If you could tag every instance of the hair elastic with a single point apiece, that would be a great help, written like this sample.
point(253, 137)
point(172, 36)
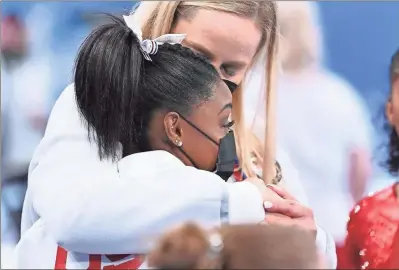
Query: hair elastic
point(150, 47)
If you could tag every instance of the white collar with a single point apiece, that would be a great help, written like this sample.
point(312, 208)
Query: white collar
point(143, 164)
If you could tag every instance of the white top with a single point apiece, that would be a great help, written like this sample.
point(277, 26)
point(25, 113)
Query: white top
point(71, 192)
point(320, 119)
point(154, 192)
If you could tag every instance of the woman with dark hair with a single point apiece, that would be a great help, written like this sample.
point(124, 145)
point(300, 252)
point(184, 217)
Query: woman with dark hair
point(371, 242)
point(170, 112)
point(246, 34)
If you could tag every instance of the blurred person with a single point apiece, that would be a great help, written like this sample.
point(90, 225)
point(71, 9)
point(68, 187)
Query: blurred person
point(27, 56)
point(22, 116)
point(164, 94)
point(236, 247)
point(9, 232)
point(13, 49)
point(371, 242)
point(322, 122)
point(26, 109)
point(13, 39)
point(231, 56)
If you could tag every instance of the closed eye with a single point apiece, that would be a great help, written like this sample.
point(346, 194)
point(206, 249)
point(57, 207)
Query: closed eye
point(229, 71)
point(229, 124)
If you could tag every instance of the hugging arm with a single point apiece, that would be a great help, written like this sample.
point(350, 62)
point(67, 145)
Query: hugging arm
point(88, 208)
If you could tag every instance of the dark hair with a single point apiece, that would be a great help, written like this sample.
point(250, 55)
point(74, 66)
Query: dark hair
point(392, 162)
point(117, 90)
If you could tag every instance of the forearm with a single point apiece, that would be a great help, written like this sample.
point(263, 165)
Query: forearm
point(245, 203)
point(88, 208)
point(98, 213)
point(359, 172)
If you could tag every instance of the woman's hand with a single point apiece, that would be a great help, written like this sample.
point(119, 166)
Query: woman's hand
point(283, 208)
point(268, 194)
point(269, 198)
point(297, 213)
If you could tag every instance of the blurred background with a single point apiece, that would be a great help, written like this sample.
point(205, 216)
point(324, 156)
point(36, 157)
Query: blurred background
point(39, 41)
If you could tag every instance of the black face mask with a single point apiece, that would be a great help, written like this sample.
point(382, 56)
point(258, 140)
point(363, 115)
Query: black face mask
point(227, 154)
point(232, 86)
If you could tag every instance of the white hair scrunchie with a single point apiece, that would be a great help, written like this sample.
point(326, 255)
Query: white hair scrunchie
point(150, 47)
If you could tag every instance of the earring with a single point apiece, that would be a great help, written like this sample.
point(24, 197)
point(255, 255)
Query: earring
point(179, 143)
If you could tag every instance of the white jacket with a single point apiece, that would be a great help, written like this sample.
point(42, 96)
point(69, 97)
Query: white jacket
point(86, 206)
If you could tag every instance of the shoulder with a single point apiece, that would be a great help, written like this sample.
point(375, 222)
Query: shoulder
point(64, 124)
point(65, 105)
point(65, 118)
point(364, 210)
point(67, 99)
point(372, 216)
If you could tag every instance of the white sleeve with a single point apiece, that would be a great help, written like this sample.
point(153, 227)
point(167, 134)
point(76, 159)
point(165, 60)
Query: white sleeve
point(88, 208)
point(326, 246)
point(245, 203)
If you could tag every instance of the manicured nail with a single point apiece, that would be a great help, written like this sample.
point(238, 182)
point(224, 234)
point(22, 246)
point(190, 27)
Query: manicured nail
point(267, 205)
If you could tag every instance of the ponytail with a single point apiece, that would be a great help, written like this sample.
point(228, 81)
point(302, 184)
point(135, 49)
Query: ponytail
point(107, 76)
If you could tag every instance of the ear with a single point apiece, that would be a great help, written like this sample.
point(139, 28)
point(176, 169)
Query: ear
point(389, 111)
point(173, 128)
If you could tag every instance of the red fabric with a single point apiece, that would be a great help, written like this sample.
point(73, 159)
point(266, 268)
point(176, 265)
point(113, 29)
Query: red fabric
point(238, 174)
point(394, 259)
point(61, 259)
point(96, 264)
point(372, 226)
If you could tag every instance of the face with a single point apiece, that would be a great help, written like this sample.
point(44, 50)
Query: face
point(392, 107)
point(228, 41)
point(184, 134)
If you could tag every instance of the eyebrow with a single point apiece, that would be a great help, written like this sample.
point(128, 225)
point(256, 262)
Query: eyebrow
point(225, 107)
point(200, 48)
point(210, 55)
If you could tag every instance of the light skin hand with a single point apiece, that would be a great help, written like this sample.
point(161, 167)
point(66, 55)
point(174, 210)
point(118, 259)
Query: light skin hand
point(282, 208)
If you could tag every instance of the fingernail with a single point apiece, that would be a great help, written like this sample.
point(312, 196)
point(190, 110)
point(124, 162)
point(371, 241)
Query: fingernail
point(270, 185)
point(267, 205)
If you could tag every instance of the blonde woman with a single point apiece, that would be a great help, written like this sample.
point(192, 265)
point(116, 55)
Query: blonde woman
point(68, 180)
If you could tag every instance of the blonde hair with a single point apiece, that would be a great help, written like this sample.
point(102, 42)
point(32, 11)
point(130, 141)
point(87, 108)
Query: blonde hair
point(236, 247)
point(159, 17)
point(300, 26)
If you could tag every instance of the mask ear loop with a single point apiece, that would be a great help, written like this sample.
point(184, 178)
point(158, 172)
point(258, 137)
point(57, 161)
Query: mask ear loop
point(179, 145)
point(199, 130)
